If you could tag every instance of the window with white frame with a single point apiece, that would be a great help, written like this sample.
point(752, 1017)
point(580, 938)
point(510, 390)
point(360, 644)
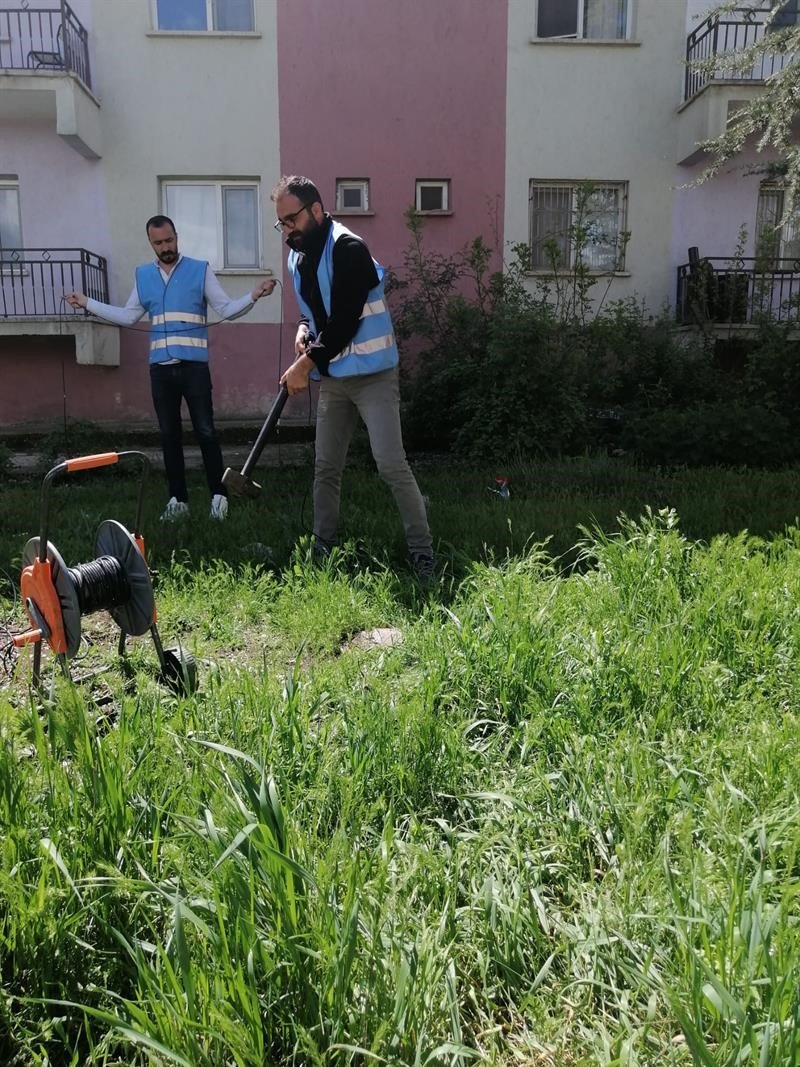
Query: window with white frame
point(572, 221)
point(217, 221)
point(606, 20)
point(776, 237)
point(205, 15)
point(352, 194)
point(432, 196)
point(10, 219)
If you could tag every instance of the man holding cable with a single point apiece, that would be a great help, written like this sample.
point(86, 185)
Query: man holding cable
point(345, 337)
point(176, 291)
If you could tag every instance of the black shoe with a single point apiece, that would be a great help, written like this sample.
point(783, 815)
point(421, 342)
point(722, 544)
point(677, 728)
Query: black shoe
point(321, 550)
point(423, 569)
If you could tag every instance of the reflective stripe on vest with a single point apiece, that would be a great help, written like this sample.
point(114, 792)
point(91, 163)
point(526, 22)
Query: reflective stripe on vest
point(173, 339)
point(373, 347)
point(177, 310)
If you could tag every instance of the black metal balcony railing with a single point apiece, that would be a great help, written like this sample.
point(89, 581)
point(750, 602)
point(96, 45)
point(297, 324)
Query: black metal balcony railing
point(719, 36)
point(739, 291)
point(33, 280)
point(44, 39)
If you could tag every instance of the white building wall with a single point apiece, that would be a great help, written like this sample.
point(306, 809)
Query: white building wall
point(696, 12)
point(184, 105)
point(714, 214)
point(61, 194)
point(601, 111)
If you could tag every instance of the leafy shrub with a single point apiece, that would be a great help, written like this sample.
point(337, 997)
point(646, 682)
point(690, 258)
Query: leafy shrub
point(492, 368)
point(5, 462)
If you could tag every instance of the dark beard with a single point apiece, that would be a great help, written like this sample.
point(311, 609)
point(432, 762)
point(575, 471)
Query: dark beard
point(305, 241)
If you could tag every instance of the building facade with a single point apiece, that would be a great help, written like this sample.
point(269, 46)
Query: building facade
point(484, 118)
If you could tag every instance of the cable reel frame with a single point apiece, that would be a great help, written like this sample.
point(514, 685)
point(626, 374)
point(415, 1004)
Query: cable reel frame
point(118, 580)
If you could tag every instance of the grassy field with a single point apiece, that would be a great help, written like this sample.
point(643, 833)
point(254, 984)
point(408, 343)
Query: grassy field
point(555, 822)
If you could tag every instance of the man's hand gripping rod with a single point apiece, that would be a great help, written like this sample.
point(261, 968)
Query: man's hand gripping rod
point(239, 483)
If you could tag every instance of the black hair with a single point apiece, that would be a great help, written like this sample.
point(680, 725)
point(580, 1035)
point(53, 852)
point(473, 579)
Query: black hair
point(296, 185)
point(158, 221)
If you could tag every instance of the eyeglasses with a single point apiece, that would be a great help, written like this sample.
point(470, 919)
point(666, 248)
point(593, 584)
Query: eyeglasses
point(282, 224)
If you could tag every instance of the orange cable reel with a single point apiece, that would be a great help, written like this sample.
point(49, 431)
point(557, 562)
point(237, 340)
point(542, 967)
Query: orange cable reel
point(42, 602)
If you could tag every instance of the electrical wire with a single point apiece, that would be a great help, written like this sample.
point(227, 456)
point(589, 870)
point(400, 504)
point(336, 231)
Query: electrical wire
point(9, 653)
point(100, 583)
point(65, 317)
point(174, 330)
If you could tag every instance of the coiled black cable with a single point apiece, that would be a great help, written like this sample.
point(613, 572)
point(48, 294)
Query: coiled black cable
point(100, 584)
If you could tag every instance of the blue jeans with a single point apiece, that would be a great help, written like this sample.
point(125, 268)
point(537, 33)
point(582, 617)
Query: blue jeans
point(170, 385)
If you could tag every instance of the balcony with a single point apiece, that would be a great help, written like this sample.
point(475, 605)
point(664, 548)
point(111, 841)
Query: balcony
point(721, 75)
point(45, 73)
point(32, 285)
point(719, 292)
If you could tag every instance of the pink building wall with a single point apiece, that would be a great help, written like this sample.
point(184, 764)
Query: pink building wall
point(410, 90)
point(63, 205)
point(244, 370)
point(42, 381)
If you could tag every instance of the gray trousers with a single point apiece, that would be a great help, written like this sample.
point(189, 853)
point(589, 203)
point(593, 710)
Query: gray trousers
point(376, 398)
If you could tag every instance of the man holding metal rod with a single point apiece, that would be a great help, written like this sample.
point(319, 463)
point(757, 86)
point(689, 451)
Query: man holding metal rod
point(345, 338)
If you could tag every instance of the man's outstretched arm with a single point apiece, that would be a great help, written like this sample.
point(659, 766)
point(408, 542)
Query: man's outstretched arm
point(228, 308)
point(120, 316)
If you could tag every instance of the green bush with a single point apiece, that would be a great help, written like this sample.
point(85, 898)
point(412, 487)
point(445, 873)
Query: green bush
point(78, 437)
point(5, 462)
point(517, 387)
point(494, 369)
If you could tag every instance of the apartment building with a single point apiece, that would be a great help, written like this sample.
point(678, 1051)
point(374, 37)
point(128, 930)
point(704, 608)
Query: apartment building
point(485, 118)
point(592, 97)
point(112, 111)
point(733, 219)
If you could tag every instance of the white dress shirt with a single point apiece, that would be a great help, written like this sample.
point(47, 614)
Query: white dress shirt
point(215, 296)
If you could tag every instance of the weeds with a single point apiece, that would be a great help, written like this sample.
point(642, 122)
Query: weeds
point(557, 823)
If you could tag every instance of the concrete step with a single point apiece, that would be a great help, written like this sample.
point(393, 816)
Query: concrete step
point(296, 454)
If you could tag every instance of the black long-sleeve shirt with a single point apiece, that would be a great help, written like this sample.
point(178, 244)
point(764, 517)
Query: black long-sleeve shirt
point(354, 275)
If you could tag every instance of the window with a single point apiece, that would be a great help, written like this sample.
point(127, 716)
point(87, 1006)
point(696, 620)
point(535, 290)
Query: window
point(205, 15)
point(787, 15)
point(578, 219)
point(10, 222)
point(352, 194)
point(217, 221)
point(432, 196)
point(773, 240)
point(605, 20)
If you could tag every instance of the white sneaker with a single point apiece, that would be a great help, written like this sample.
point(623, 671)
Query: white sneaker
point(175, 510)
point(219, 507)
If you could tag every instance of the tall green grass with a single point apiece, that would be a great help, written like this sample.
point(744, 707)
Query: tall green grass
point(558, 824)
point(550, 502)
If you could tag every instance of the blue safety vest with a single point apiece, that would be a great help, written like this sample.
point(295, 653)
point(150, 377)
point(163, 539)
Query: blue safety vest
point(373, 347)
point(178, 310)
